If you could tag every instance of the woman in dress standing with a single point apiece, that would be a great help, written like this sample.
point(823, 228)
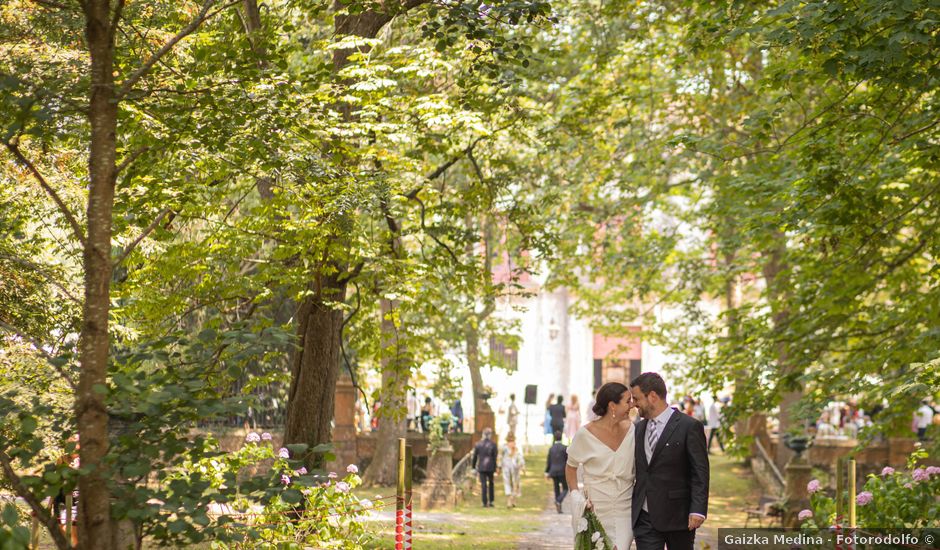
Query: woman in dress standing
point(604, 450)
point(512, 463)
point(573, 419)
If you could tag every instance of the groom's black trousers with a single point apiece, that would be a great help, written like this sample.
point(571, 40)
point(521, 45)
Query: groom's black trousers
point(648, 538)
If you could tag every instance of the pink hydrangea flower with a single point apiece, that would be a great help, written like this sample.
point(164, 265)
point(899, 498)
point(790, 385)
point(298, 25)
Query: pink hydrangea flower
point(343, 487)
point(887, 470)
point(864, 498)
point(252, 437)
point(933, 470)
point(265, 436)
point(285, 479)
point(302, 471)
point(332, 475)
point(805, 515)
point(352, 469)
point(813, 486)
point(283, 452)
point(920, 474)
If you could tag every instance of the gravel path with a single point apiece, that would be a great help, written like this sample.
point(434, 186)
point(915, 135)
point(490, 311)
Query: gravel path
point(553, 531)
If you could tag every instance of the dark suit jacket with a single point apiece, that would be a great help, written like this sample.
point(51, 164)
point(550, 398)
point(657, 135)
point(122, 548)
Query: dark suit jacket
point(557, 412)
point(557, 459)
point(484, 456)
point(675, 481)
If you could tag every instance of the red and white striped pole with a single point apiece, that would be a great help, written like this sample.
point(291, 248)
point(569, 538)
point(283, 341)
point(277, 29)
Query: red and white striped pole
point(403, 509)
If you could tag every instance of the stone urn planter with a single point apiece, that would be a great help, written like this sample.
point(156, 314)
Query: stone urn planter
point(438, 490)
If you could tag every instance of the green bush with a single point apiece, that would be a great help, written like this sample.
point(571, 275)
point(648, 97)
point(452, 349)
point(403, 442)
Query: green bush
point(892, 499)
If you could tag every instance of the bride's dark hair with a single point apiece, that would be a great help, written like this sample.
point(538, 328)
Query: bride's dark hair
point(610, 392)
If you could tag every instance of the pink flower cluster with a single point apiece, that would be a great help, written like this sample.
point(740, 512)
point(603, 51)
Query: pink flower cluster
point(864, 498)
point(887, 470)
point(920, 474)
point(813, 486)
point(804, 515)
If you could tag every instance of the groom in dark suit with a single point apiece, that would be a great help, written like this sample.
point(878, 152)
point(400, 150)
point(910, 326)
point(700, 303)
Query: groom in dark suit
point(670, 498)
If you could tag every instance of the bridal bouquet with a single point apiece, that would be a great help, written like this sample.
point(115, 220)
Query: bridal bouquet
point(590, 533)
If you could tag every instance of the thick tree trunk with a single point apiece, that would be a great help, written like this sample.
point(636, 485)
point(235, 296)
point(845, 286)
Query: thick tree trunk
point(774, 275)
point(94, 506)
point(472, 340)
point(392, 415)
point(315, 369)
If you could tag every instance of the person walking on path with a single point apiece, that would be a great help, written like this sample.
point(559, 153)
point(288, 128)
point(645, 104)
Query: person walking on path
point(512, 464)
point(484, 462)
point(555, 469)
point(512, 415)
point(557, 414)
point(714, 425)
point(573, 417)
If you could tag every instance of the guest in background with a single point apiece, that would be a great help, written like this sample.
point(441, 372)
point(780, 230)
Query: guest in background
point(457, 410)
point(557, 414)
point(573, 418)
point(484, 462)
point(548, 416)
point(698, 410)
point(512, 464)
point(414, 414)
point(555, 469)
point(426, 414)
point(714, 425)
point(512, 414)
point(922, 419)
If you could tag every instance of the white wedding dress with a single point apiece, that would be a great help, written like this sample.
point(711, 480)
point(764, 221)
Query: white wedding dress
point(608, 478)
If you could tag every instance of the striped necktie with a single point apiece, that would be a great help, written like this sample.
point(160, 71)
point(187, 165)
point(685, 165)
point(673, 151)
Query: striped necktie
point(652, 434)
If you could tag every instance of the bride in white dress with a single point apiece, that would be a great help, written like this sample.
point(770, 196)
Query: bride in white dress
point(604, 449)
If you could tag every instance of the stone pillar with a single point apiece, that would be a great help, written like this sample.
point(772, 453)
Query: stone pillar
point(344, 424)
point(899, 449)
point(798, 473)
point(483, 418)
point(438, 490)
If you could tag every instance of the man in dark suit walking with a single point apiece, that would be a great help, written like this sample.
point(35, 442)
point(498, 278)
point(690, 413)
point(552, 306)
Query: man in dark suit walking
point(484, 462)
point(670, 498)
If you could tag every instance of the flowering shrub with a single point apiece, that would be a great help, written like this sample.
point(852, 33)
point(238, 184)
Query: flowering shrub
point(891, 499)
point(298, 509)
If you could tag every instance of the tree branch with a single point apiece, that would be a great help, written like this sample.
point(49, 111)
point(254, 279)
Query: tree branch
point(76, 228)
point(41, 271)
point(130, 159)
point(51, 523)
point(141, 71)
point(38, 345)
point(143, 235)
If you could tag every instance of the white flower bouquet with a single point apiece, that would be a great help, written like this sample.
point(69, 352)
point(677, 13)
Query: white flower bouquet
point(590, 533)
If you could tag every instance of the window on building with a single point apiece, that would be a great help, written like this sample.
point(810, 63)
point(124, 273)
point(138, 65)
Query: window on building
point(504, 355)
point(636, 367)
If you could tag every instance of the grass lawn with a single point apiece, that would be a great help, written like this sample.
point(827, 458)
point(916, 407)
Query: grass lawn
point(470, 525)
point(733, 489)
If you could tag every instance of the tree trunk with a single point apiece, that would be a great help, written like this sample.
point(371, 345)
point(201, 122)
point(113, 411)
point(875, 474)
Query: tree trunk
point(315, 368)
point(94, 506)
point(775, 278)
point(392, 416)
point(472, 337)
